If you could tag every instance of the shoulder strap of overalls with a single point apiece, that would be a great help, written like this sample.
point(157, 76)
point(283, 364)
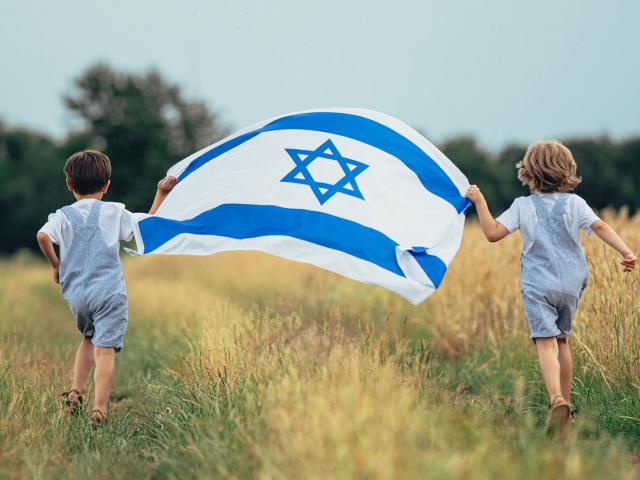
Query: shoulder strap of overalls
point(559, 205)
point(548, 218)
point(538, 205)
point(94, 213)
point(73, 216)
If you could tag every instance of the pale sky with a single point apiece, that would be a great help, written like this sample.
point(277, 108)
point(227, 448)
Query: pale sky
point(502, 70)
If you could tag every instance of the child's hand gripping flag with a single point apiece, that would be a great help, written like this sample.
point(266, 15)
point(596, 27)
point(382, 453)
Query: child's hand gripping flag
point(353, 191)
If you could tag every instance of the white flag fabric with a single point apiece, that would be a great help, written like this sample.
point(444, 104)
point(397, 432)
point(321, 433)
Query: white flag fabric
point(353, 191)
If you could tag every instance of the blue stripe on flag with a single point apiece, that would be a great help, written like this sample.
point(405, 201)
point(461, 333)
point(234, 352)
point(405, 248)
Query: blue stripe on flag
point(363, 130)
point(250, 221)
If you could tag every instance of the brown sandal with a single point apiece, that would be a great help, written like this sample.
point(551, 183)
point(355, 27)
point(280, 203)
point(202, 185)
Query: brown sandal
point(558, 417)
point(75, 405)
point(98, 417)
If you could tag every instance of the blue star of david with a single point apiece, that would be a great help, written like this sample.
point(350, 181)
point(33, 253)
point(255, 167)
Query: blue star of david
point(324, 191)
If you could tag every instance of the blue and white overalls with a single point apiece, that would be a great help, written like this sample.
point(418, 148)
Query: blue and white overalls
point(554, 272)
point(92, 281)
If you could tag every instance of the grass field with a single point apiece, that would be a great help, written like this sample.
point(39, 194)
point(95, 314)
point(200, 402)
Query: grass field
point(247, 366)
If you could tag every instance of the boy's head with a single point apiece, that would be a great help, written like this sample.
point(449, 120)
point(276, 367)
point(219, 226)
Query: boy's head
point(88, 171)
point(548, 167)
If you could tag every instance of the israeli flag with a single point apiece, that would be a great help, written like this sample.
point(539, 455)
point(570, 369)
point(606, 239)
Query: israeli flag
point(353, 191)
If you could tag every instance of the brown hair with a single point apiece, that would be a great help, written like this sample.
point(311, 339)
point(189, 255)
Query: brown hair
point(548, 167)
point(88, 171)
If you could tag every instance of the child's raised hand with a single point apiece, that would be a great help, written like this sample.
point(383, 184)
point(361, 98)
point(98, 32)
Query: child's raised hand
point(166, 184)
point(164, 187)
point(628, 262)
point(474, 194)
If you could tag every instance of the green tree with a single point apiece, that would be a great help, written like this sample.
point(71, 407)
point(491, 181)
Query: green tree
point(142, 122)
point(628, 161)
point(507, 176)
point(598, 165)
point(479, 167)
point(30, 185)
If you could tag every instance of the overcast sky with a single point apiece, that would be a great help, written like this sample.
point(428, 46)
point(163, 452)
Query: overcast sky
point(502, 70)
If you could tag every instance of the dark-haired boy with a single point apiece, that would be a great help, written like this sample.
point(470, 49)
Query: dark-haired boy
point(89, 270)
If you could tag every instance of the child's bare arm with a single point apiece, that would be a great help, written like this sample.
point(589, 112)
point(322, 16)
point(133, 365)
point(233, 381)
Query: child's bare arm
point(164, 187)
point(491, 229)
point(46, 245)
point(611, 238)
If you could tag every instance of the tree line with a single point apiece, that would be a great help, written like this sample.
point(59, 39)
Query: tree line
point(145, 124)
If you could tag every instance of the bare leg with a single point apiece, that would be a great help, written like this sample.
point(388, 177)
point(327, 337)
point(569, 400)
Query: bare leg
point(103, 376)
point(566, 369)
point(549, 365)
point(83, 363)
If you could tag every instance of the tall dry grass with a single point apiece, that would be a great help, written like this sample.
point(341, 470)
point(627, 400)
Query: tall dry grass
point(480, 302)
point(242, 365)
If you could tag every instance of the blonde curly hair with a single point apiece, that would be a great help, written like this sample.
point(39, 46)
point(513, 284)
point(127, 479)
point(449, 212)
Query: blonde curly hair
point(548, 167)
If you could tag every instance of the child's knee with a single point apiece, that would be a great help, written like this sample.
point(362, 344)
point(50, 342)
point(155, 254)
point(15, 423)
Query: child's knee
point(104, 351)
